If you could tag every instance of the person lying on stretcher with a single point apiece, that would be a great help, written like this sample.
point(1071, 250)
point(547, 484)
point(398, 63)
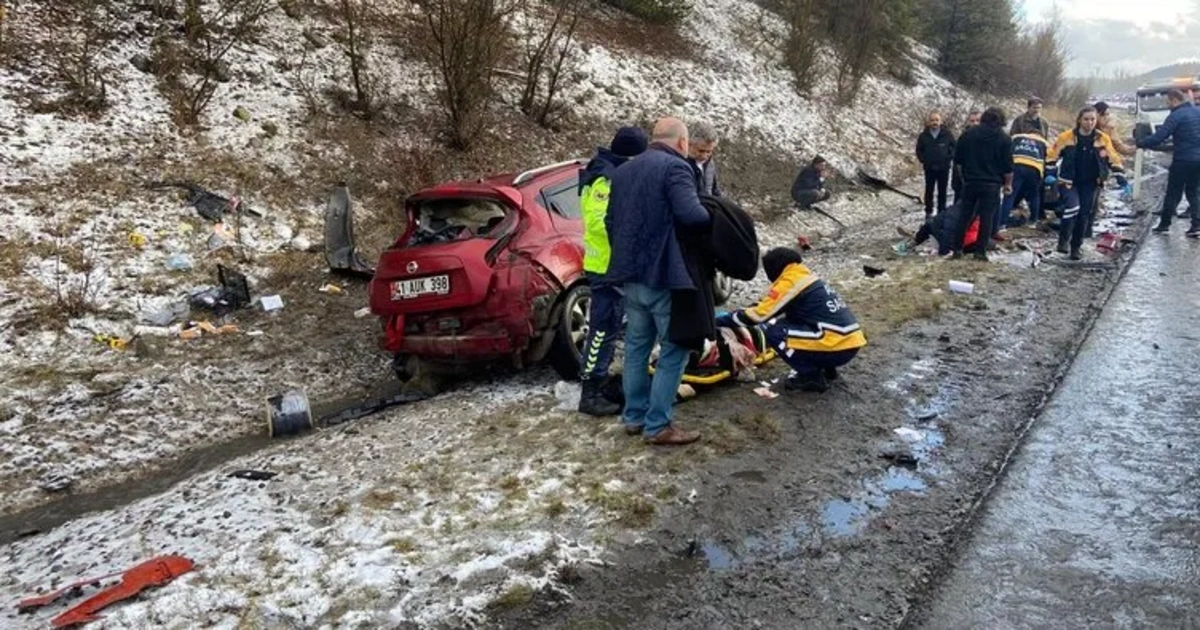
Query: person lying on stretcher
point(803, 320)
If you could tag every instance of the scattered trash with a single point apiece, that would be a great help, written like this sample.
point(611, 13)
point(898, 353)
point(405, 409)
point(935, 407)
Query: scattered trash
point(691, 498)
point(209, 205)
point(901, 458)
point(958, 286)
point(567, 394)
point(927, 416)
point(685, 392)
point(331, 288)
point(112, 341)
point(362, 312)
point(912, 435)
point(803, 243)
point(179, 262)
point(137, 240)
point(252, 475)
point(766, 392)
point(271, 303)
point(873, 272)
point(233, 294)
point(156, 331)
point(55, 482)
point(289, 413)
point(1109, 243)
point(254, 333)
point(900, 249)
point(154, 572)
point(177, 311)
point(185, 228)
point(216, 241)
point(195, 330)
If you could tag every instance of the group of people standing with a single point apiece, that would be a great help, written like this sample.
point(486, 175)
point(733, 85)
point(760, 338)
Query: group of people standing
point(656, 227)
point(999, 169)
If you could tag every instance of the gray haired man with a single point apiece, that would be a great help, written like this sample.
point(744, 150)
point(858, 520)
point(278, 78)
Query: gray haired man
point(703, 139)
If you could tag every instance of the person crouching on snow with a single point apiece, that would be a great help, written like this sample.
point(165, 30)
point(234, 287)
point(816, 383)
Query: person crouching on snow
point(805, 321)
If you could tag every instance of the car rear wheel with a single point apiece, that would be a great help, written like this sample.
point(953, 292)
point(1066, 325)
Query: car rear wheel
point(570, 332)
point(722, 288)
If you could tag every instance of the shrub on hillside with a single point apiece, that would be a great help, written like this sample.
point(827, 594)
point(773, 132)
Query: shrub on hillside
point(654, 11)
point(545, 55)
point(464, 42)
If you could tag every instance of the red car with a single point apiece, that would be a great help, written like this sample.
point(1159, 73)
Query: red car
point(488, 270)
point(485, 270)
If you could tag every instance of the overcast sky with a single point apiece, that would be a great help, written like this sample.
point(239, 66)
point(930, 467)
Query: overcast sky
point(1137, 35)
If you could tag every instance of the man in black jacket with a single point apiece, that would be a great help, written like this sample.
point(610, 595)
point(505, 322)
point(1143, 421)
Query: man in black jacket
point(984, 153)
point(809, 187)
point(935, 151)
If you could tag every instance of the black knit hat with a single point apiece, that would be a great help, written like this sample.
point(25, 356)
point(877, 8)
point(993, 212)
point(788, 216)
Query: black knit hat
point(776, 260)
point(629, 141)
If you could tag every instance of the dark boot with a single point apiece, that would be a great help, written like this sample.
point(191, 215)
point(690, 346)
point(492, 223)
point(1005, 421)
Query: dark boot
point(814, 382)
point(831, 374)
point(1064, 235)
point(1075, 255)
point(592, 400)
point(1164, 226)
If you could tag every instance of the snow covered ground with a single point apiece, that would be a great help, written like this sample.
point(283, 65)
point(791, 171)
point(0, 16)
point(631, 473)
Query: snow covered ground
point(348, 532)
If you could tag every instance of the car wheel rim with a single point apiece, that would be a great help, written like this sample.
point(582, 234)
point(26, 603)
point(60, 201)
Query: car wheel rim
point(581, 310)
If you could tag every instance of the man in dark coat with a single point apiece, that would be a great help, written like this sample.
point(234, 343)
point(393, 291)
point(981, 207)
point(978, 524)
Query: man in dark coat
point(809, 187)
point(984, 153)
point(1183, 178)
point(935, 152)
point(702, 146)
point(651, 196)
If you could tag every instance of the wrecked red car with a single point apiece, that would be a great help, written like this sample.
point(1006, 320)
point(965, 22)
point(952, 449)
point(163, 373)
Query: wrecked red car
point(485, 271)
point(488, 270)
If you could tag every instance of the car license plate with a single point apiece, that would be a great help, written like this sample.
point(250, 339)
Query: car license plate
point(416, 287)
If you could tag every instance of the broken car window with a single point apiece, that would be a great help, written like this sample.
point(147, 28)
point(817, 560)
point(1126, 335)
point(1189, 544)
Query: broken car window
point(445, 220)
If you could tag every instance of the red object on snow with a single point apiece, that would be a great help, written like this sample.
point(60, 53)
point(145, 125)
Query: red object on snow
point(802, 242)
point(1109, 243)
point(154, 572)
point(972, 233)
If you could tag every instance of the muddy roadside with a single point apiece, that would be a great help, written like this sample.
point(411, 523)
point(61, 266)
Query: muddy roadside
point(845, 516)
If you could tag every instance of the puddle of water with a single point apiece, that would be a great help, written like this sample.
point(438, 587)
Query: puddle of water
point(842, 517)
point(718, 557)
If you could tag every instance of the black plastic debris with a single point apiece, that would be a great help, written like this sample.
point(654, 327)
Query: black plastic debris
point(232, 294)
point(252, 475)
point(872, 272)
point(904, 459)
point(208, 204)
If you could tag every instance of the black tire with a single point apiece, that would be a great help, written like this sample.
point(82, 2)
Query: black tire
point(570, 332)
point(401, 367)
point(722, 288)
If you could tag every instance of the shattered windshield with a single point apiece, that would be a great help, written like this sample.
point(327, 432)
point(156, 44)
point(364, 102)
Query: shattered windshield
point(445, 220)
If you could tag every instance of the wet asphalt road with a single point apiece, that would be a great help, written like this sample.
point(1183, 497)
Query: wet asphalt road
point(1097, 524)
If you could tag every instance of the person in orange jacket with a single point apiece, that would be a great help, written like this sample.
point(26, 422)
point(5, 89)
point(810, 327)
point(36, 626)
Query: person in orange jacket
point(1081, 159)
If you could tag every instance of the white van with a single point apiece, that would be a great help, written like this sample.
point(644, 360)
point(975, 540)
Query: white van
point(1152, 109)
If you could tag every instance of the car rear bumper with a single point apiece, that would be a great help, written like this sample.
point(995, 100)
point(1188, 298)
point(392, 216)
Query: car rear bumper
point(460, 347)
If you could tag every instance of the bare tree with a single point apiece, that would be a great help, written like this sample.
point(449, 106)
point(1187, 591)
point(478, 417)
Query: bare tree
point(546, 54)
point(355, 45)
point(465, 41)
point(211, 34)
point(81, 31)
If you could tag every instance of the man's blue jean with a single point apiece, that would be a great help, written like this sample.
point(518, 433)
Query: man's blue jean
point(649, 402)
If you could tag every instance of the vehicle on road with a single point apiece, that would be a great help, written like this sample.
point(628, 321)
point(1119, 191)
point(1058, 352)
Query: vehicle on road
point(1151, 107)
point(490, 270)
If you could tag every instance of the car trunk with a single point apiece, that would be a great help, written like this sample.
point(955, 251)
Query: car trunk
point(445, 258)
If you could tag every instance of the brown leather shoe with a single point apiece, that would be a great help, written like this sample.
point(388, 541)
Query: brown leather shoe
point(673, 436)
point(633, 429)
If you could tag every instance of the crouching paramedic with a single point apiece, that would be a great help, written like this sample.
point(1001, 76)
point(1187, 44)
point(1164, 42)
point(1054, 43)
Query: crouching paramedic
point(805, 321)
point(604, 319)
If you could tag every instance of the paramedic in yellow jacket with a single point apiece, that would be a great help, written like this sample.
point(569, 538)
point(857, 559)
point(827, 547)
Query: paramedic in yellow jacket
point(1082, 159)
point(805, 321)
